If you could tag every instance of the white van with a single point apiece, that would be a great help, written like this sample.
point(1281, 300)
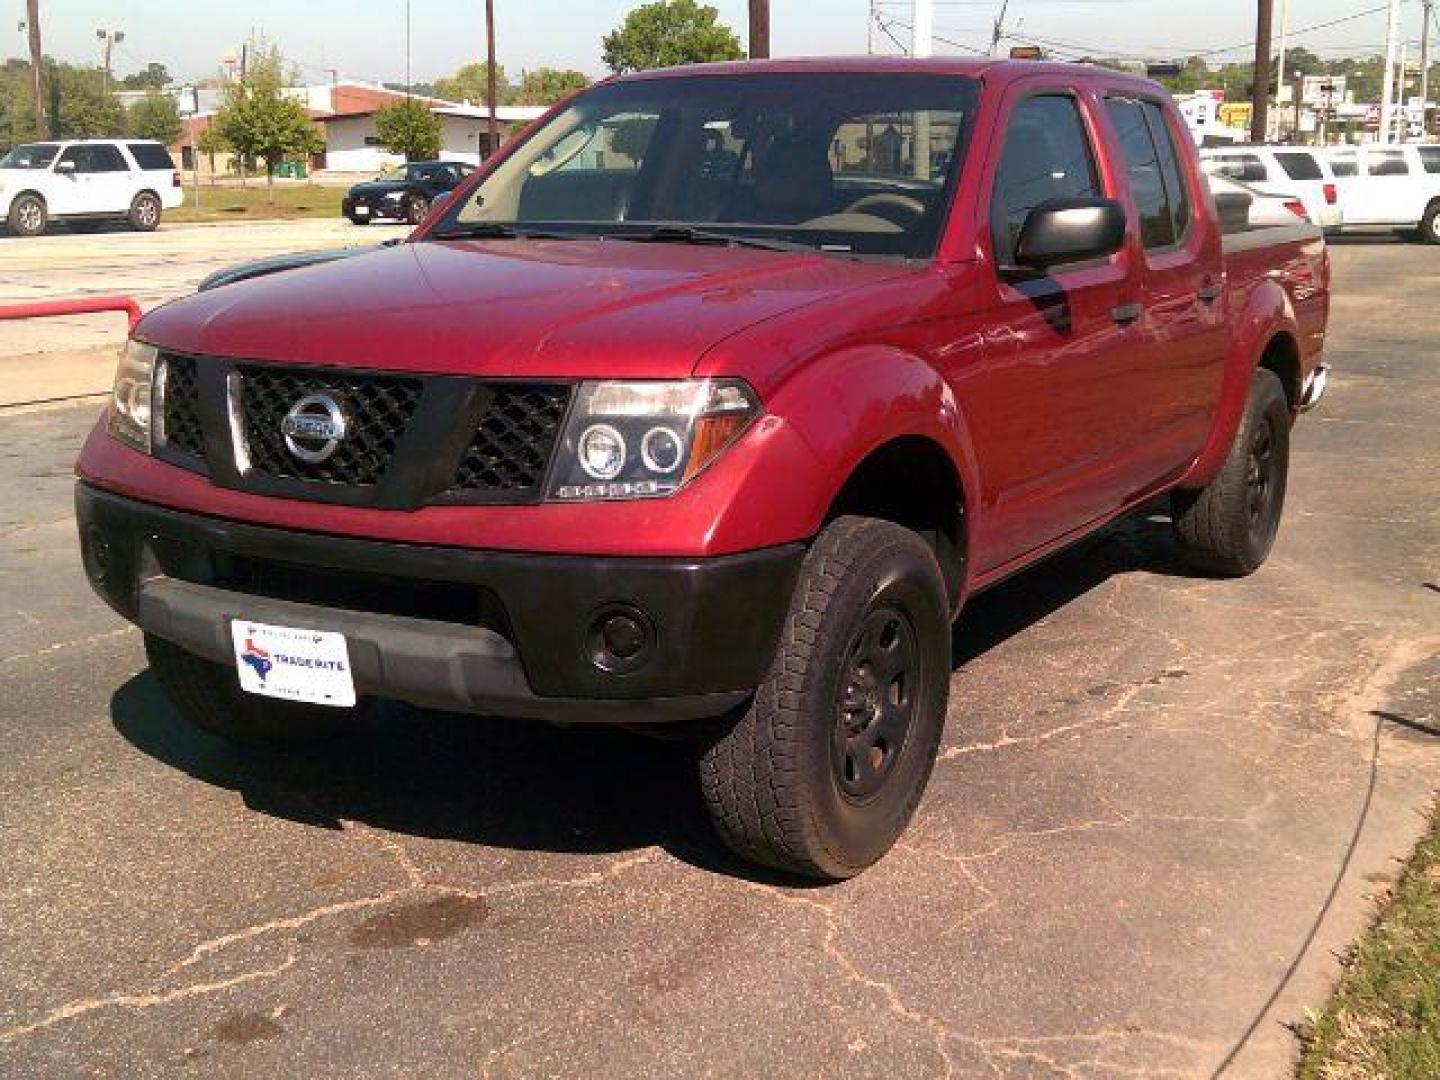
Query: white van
point(87, 180)
point(1389, 188)
point(1297, 171)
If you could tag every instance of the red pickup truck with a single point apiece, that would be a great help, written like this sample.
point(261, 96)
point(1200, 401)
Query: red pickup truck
point(708, 403)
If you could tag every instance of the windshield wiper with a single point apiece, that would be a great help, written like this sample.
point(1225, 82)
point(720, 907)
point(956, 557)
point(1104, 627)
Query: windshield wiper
point(496, 230)
point(684, 234)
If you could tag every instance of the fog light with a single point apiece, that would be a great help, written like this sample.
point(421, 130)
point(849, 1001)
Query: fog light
point(621, 639)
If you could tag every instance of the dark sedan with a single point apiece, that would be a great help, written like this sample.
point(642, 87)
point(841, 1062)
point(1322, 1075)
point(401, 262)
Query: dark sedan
point(404, 198)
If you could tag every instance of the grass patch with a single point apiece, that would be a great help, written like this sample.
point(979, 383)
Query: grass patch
point(1384, 1019)
point(253, 204)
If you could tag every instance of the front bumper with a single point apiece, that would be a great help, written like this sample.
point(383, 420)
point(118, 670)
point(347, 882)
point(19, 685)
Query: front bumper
point(452, 628)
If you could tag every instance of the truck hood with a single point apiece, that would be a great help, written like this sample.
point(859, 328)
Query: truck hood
point(563, 308)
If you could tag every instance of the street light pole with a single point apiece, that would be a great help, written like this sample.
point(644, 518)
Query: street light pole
point(32, 27)
point(109, 38)
point(490, 73)
point(1260, 95)
point(1428, 14)
point(1387, 93)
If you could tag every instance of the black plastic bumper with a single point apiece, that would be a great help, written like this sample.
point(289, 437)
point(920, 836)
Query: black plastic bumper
point(476, 631)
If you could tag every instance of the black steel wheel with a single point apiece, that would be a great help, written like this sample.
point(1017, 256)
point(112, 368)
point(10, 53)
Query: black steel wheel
point(823, 772)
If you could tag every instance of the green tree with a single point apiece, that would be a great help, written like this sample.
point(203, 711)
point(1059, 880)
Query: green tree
point(545, 86)
point(17, 111)
point(260, 121)
point(669, 32)
point(210, 142)
point(154, 77)
point(156, 116)
point(80, 105)
point(409, 127)
point(469, 84)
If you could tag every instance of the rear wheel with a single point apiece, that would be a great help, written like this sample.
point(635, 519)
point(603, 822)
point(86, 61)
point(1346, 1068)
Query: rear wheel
point(1228, 527)
point(28, 216)
point(1430, 225)
point(822, 773)
point(144, 213)
point(208, 695)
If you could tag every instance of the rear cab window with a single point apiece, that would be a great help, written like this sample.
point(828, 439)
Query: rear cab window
point(1157, 183)
point(151, 157)
point(1047, 155)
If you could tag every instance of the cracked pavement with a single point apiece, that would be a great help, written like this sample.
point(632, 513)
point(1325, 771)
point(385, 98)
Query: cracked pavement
point(1157, 795)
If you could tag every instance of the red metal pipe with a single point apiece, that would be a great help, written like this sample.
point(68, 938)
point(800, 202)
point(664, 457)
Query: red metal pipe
point(90, 305)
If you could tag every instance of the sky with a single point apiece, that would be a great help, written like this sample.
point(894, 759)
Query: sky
point(365, 39)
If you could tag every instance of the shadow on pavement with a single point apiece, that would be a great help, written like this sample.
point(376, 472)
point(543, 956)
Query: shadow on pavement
point(527, 786)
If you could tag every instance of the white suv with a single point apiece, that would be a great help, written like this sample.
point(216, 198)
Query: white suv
point(1281, 170)
point(1389, 187)
point(87, 181)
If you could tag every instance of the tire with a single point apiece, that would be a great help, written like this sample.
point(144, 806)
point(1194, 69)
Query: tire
point(1430, 225)
point(208, 696)
point(356, 219)
point(416, 209)
point(1228, 527)
point(145, 212)
point(28, 216)
point(793, 783)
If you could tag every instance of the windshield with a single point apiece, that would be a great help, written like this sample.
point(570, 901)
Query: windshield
point(30, 156)
point(851, 163)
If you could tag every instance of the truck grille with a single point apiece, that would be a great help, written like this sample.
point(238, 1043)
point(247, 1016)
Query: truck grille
point(181, 415)
point(378, 409)
point(476, 441)
point(514, 440)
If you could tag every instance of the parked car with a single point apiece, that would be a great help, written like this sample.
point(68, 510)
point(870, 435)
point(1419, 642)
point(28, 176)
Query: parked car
point(1389, 188)
point(404, 198)
point(1243, 208)
point(618, 437)
point(1295, 171)
point(87, 181)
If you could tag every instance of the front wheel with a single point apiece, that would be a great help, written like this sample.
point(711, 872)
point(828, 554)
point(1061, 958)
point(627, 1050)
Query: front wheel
point(1228, 527)
point(1430, 225)
point(822, 773)
point(28, 216)
point(144, 213)
point(208, 695)
point(416, 210)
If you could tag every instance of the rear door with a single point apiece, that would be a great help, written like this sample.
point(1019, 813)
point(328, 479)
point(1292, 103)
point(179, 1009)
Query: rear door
point(1306, 177)
point(1390, 190)
point(1183, 333)
point(1050, 407)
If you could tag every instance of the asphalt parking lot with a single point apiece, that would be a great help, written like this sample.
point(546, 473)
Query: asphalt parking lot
point(1164, 804)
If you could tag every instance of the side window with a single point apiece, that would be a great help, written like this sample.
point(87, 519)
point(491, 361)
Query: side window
point(1388, 163)
point(1430, 158)
point(79, 156)
point(1299, 166)
point(106, 158)
point(1177, 193)
point(1246, 168)
point(152, 157)
point(1047, 155)
point(1344, 166)
point(1142, 167)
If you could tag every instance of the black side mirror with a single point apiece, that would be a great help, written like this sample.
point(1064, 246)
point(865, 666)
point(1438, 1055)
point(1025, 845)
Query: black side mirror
point(1064, 231)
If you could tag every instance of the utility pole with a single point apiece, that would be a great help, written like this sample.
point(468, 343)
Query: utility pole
point(759, 29)
point(870, 32)
point(1260, 95)
point(1428, 14)
point(1284, 46)
point(494, 127)
point(407, 48)
point(32, 26)
point(1387, 93)
point(999, 30)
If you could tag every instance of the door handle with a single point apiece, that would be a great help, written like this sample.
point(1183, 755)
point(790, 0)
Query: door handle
point(1208, 294)
point(1127, 313)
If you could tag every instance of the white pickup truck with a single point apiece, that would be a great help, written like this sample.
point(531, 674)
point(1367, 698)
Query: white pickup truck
point(1388, 187)
point(89, 180)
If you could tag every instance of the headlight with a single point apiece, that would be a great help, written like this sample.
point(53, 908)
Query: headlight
point(130, 402)
point(641, 440)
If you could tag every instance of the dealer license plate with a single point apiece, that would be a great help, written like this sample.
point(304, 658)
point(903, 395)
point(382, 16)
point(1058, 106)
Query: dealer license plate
point(310, 666)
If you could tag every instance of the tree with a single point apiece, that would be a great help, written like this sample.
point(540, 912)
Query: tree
point(469, 84)
point(260, 122)
point(545, 86)
point(156, 116)
point(409, 127)
point(669, 32)
point(154, 77)
point(81, 107)
point(210, 142)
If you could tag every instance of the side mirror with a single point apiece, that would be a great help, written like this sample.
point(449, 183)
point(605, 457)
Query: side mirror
point(1070, 231)
point(66, 167)
point(440, 199)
